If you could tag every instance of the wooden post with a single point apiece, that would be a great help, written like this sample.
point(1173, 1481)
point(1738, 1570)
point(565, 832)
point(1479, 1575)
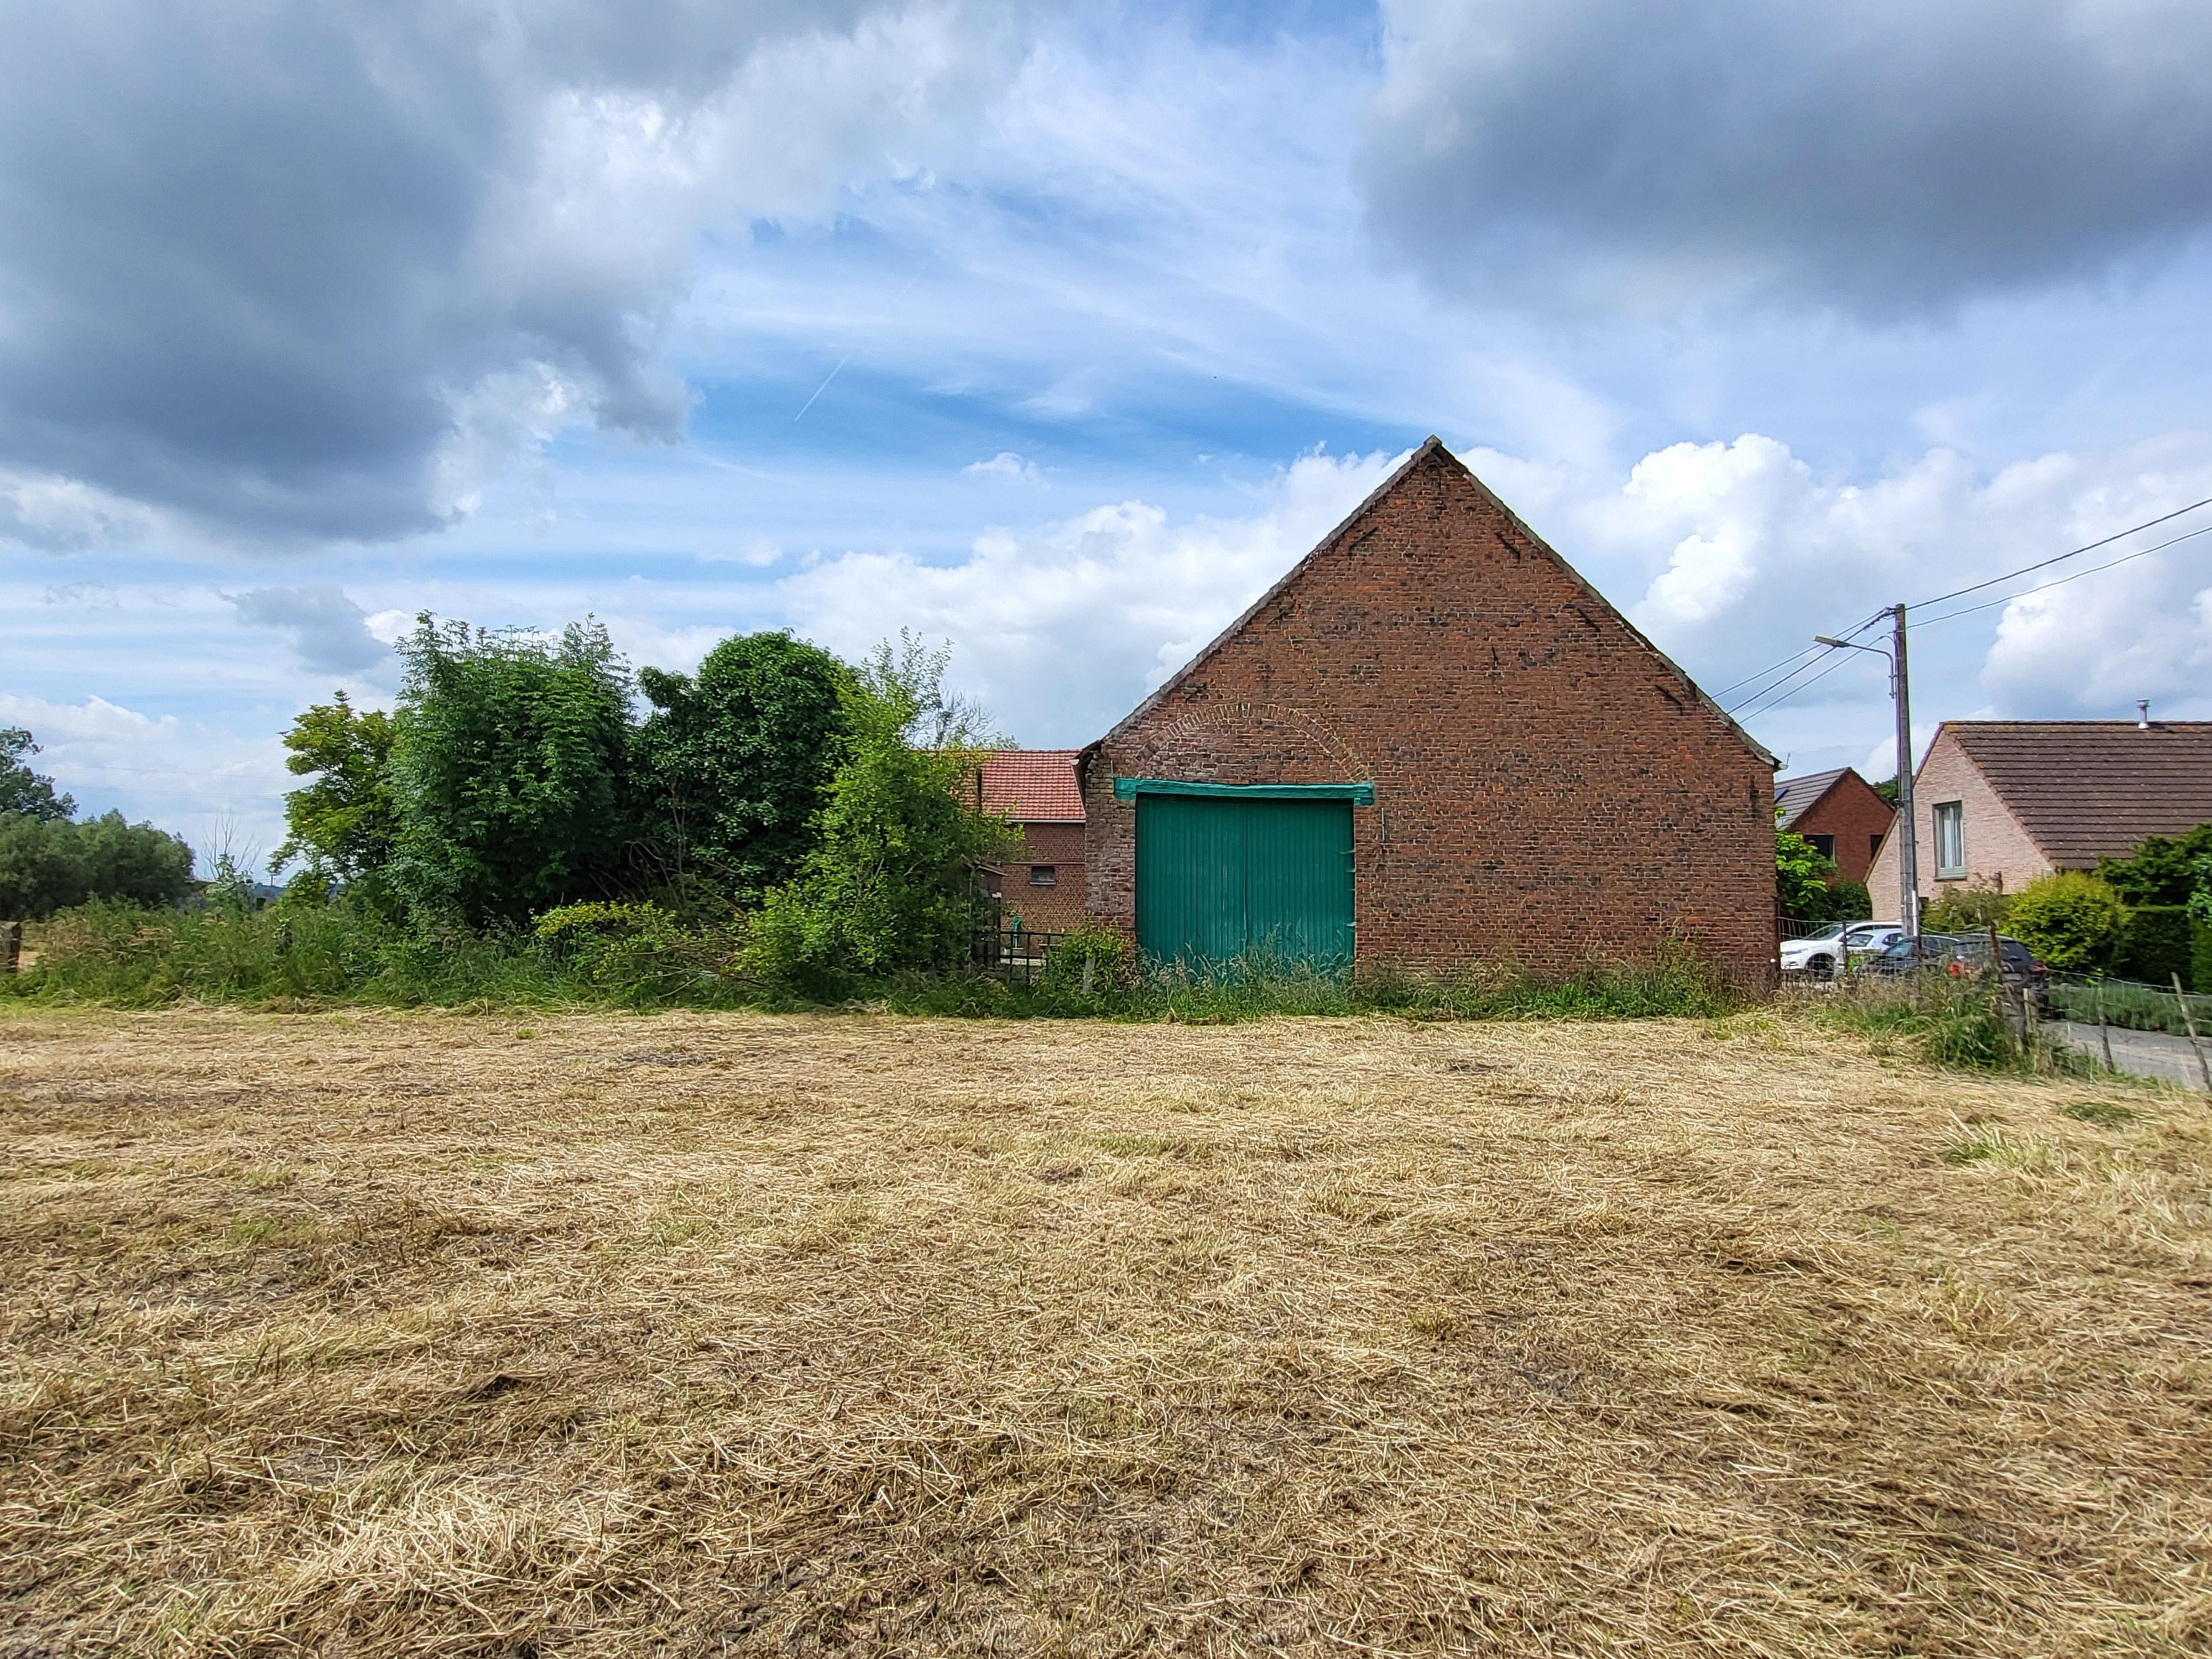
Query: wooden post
point(2104, 1031)
point(2188, 1025)
point(2014, 1016)
point(11, 947)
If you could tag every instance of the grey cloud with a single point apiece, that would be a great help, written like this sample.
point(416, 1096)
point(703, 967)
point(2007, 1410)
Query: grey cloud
point(1888, 158)
point(285, 268)
point(328, 629)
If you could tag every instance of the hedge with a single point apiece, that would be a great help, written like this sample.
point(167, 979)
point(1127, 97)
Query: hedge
point(2156, 946)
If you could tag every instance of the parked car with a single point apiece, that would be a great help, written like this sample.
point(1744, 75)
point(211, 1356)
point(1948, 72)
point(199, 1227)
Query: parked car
point(1963, 953)
point(1846, 943)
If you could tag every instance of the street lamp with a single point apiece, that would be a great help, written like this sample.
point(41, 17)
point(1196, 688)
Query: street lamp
point(1908, 855)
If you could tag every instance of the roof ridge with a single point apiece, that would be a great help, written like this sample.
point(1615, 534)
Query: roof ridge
point(1430, 447)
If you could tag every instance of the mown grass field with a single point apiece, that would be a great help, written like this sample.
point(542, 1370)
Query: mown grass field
point(437, 1334)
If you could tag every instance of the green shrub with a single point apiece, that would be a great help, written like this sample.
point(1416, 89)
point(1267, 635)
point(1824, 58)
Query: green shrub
point(1968, 910)
point(2154, 944)
point(2200, 955)
point(2072, 921)
point(637, 954)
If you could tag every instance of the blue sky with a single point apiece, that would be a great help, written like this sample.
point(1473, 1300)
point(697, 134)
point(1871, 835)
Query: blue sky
point(1061, 332)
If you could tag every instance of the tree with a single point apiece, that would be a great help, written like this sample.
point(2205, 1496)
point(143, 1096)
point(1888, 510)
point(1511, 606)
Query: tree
point(733, 766)
point(889, 884)
point(2074, 921)
point(23, 791)
point(509, 767)
point(1801, 878)
point(50, 864)
point(2162, 869)
point(345, 826)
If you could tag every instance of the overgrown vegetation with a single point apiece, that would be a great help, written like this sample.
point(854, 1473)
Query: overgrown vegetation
point(641, 956)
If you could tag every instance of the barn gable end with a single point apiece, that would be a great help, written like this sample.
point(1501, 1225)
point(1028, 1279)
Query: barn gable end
point(1545, 784)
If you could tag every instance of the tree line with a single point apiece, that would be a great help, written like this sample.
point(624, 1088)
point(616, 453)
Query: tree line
point(827, 804)
point(51, 860)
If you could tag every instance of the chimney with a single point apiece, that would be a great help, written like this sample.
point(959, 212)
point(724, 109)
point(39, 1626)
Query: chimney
point(2142, 714)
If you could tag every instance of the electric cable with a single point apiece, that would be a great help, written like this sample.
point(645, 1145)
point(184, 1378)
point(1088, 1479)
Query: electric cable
point(2057, 582)
point(2061, 558)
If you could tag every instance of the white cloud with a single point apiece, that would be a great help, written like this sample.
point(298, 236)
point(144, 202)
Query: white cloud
point(1061, 629)
point(1007, 465)
point(55, 514)
point(757, 551)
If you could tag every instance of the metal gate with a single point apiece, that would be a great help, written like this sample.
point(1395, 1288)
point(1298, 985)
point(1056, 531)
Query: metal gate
point(1220, 878)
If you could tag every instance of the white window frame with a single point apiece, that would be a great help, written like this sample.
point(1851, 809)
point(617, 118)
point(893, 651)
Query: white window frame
point(1951, 815)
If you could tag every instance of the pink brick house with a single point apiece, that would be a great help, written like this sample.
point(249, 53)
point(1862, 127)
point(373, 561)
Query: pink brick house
point(1998, 803)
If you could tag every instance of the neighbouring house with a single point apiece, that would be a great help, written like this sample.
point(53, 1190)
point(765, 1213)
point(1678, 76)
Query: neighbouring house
point(1043, 885)
point(1997, 803)
point(1431, 743)
point(1839, 813)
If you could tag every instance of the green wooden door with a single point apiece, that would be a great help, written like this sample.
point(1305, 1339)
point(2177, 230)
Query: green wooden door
point(1218, 877)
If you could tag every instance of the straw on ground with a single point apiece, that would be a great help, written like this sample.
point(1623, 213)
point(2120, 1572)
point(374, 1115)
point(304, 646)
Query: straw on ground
point(401, 1334)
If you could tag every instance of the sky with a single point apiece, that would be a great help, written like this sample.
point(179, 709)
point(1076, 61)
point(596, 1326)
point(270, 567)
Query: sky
point(1058, 332)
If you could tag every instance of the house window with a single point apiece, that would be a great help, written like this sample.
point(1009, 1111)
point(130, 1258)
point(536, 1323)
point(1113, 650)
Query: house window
point(1044, 875)
point(1825, 846)
point(1950, 840)
point(1874, 846)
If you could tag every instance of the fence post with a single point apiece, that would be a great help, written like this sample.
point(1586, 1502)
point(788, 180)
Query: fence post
point(2188, 1025)
point(2016, 1014)
point(11, 947)
point(2104, 1031)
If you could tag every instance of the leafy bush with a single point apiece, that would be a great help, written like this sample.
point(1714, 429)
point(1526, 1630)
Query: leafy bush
point(2072, 921)
point(1801, 878)
point(638, 954)
point(888, 886)
point(1968, 910)
point(2162, 869)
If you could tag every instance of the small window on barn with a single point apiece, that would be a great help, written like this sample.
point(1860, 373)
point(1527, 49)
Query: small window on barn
point(1824, 845)
point(1874, 845)
point(1044, 875)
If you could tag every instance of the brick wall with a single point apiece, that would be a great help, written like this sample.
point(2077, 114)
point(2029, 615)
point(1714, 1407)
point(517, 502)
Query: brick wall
point(1857, 817)
point(1545, 788)
point(1053, 910)
point(1999, 853)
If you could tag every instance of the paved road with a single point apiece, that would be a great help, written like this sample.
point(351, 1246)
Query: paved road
point(2147, 1053)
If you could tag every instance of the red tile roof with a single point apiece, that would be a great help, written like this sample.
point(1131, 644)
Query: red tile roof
point(2092, 789)
point(1033, 785)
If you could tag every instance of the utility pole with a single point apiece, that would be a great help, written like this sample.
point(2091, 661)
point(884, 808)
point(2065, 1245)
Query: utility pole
point(1908, 850)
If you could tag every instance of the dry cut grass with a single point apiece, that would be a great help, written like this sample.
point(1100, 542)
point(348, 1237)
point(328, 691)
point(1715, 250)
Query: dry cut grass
point(701, 1334)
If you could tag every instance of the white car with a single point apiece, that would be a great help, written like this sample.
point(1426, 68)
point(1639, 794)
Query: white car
point(1817, 954)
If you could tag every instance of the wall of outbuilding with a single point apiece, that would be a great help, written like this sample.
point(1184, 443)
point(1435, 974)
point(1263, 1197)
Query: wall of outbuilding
point(1548, 789)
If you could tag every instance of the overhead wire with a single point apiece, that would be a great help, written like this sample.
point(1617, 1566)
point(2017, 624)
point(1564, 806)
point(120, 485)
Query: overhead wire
point(1773, 695)
point(1836, 661)
point(2041, 564)
point(2060, 581)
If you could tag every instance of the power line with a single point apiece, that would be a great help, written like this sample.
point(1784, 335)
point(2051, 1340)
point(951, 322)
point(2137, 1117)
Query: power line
point(2061, 558)
point(1762, 673)
point(1838, 660)
point(2058, 581)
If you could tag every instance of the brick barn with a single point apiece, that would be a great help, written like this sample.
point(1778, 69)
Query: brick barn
point(1431, 743)
point(1042, 884)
